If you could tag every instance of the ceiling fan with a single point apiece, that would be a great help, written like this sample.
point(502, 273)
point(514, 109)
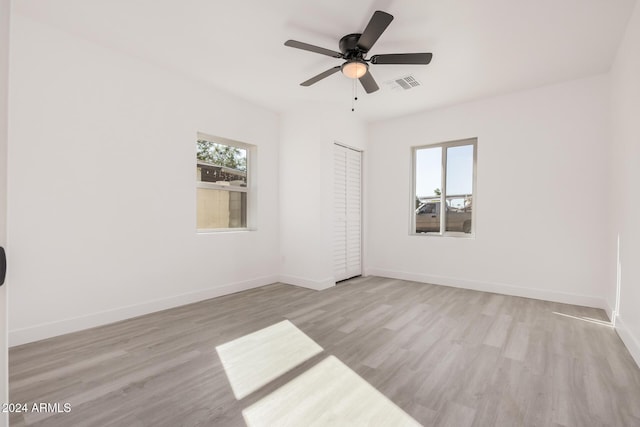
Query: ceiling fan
point(354, 49)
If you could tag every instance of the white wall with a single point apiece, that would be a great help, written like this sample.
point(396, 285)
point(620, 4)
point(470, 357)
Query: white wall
point(625, 109)
point(4, 87)
point(102, 210)
point(306, 190)
point(542, 185)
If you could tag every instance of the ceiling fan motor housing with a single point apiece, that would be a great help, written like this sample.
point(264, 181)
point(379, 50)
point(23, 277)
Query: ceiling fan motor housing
point(349, 46)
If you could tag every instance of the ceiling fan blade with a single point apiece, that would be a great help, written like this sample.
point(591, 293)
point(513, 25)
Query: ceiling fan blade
point(321, 76)
point(312, 48)
point(402, 58)
point(369, 83)
point(376, 26)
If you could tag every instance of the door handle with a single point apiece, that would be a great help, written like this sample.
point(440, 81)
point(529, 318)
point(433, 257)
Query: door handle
point(433, 216)
point(3, 265)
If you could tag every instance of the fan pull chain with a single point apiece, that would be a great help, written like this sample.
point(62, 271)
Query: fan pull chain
point(354, 93)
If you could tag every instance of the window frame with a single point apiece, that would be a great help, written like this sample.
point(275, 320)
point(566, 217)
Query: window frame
point(443, 192)
point(249, 189)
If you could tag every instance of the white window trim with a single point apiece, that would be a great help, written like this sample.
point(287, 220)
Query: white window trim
point(250, 189)
point(443, 194)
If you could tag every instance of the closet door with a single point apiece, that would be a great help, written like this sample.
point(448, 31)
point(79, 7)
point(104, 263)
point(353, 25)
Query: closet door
point(348, 212)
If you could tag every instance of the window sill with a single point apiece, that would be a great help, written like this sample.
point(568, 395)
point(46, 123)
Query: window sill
point(224, 230)
point(466, 236)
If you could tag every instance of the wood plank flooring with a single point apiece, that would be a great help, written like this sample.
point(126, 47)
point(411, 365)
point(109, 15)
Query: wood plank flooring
point(446, 356)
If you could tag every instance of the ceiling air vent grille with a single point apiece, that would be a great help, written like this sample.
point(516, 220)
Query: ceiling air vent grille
point(404, 83)
point(408, 82)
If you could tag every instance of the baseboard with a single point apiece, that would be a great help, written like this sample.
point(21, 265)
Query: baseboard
point(316, 285)
point(52, 329)
point(609, 310)
point(498, 288)
point(630, 341)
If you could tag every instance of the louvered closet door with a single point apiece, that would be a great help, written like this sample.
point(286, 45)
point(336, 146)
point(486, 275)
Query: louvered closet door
point(348, 214)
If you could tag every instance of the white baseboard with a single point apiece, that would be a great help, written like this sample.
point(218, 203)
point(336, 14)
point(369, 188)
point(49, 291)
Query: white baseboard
point(52, 329)
point(498, 288)
point(609, 310)
point(316, 285)
point(630, 341)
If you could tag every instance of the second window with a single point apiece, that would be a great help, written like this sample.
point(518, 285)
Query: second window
point(443, 188)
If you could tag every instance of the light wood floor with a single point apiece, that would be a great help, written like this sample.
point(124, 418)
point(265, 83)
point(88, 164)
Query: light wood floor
point(446, 356)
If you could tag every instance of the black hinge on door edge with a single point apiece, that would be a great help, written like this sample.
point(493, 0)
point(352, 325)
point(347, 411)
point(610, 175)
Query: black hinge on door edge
point(3, 265)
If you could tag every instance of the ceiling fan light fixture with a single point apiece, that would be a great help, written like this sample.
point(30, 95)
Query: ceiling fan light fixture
point(354, 69)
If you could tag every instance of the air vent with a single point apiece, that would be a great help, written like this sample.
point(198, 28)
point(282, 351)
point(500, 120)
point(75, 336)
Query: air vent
point(403, 83)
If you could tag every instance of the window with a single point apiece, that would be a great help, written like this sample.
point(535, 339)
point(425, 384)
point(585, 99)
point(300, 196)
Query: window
point(223, 183)
point(444, 175)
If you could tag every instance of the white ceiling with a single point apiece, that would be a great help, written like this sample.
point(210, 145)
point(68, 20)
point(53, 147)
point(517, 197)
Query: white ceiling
point(480, 48)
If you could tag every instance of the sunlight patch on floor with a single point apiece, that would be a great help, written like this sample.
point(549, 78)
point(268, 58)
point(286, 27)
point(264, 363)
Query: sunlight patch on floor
point(329, 394)
point(255, 360)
